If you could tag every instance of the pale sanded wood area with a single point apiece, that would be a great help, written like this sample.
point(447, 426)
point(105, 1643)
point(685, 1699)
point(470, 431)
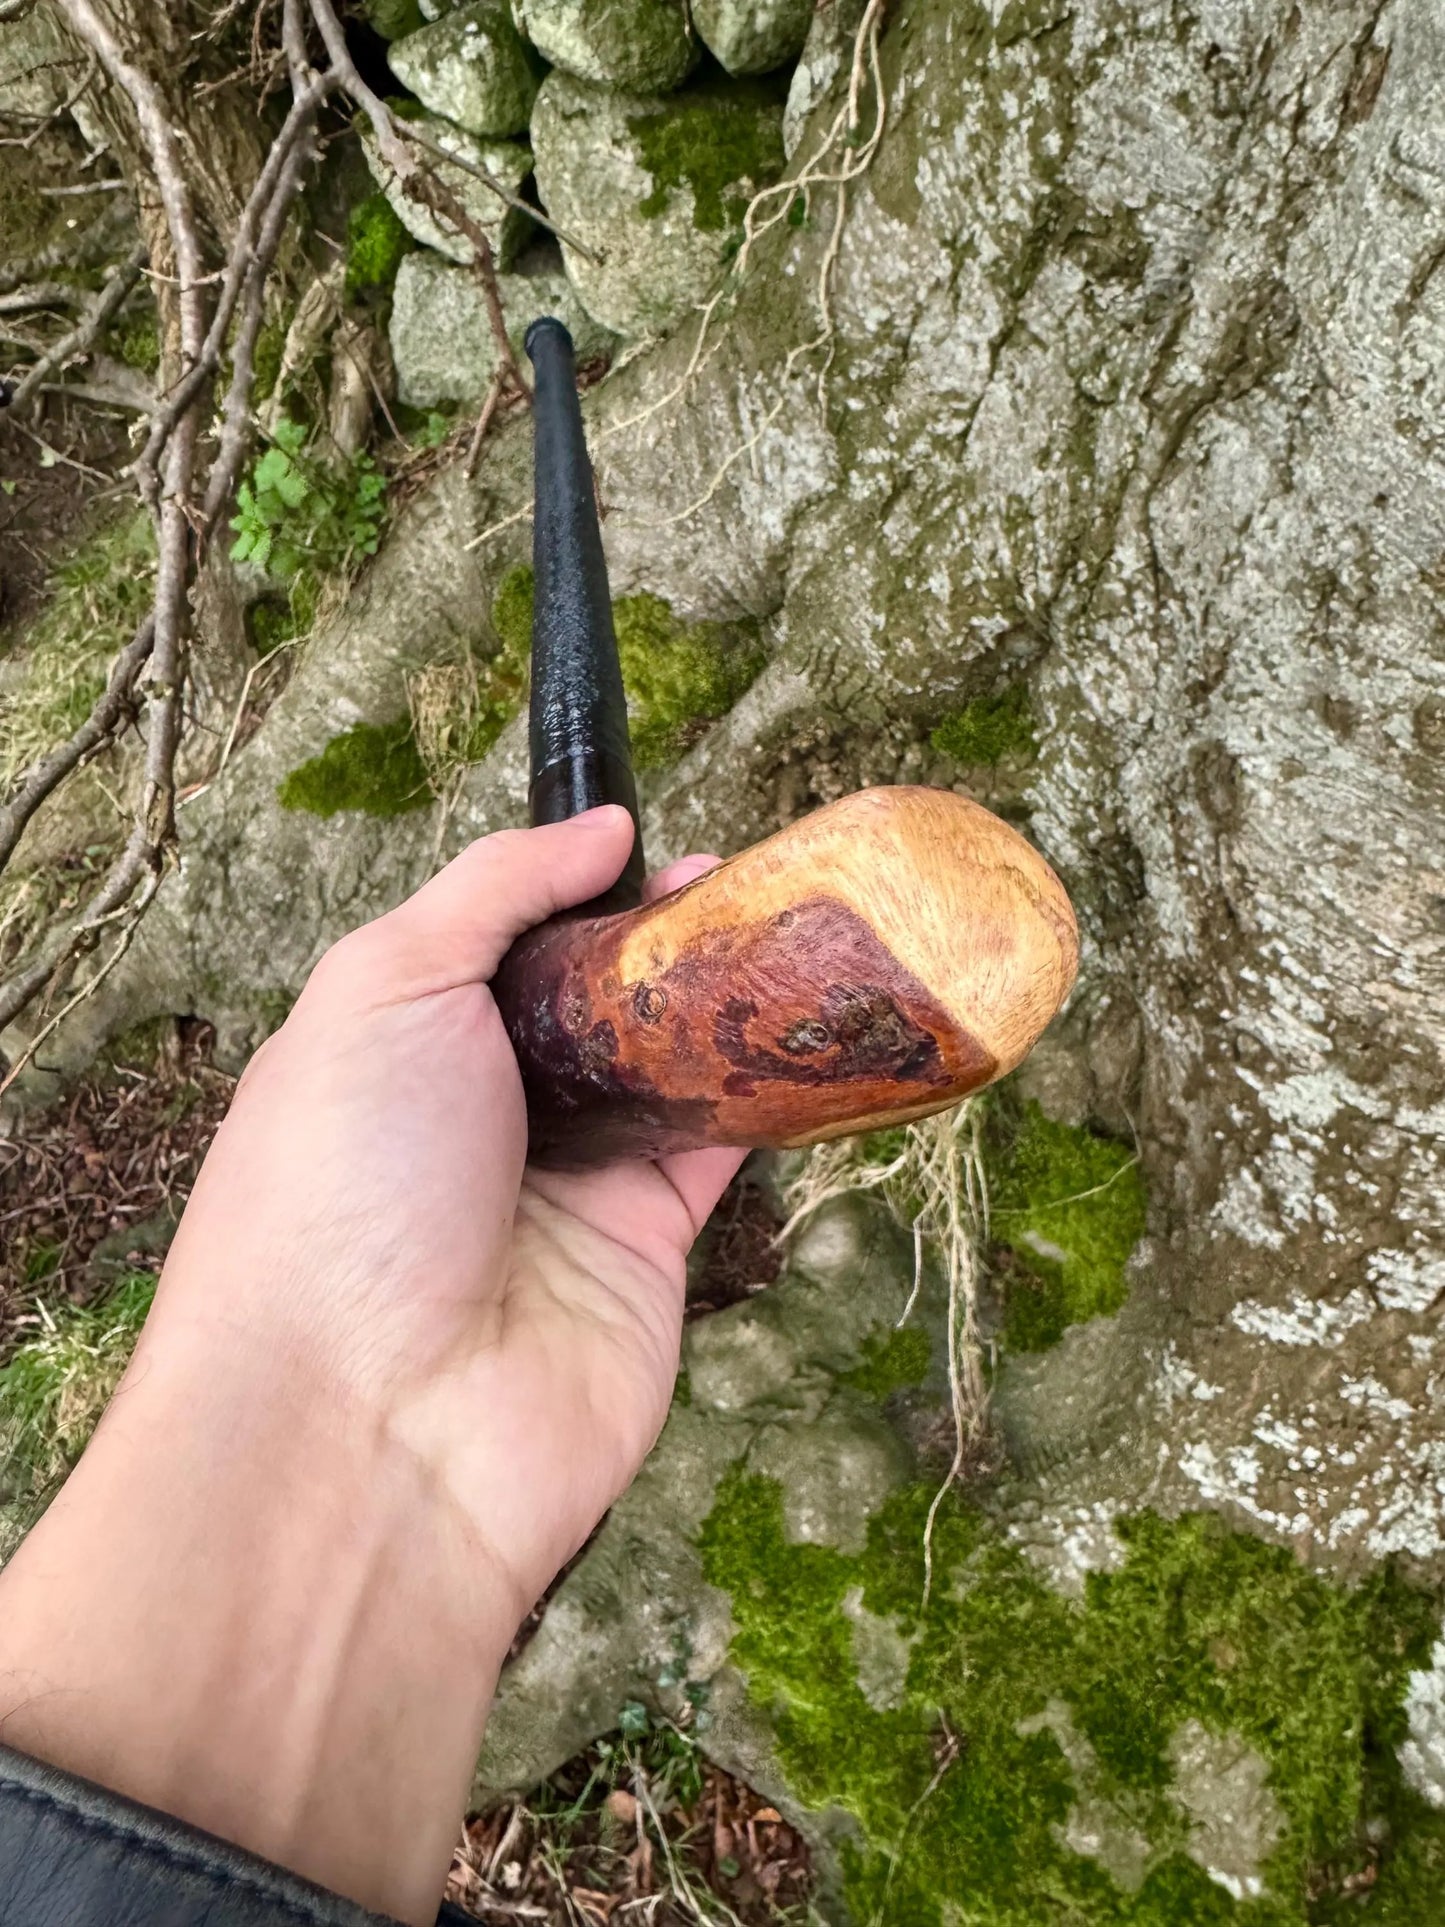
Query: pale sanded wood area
point(956, 895)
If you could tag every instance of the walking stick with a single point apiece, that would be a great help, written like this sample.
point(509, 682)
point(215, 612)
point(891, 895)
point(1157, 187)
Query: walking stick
point(872, 963)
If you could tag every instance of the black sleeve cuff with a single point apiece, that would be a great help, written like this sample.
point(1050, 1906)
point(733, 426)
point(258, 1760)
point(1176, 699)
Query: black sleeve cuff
point(74, 1855)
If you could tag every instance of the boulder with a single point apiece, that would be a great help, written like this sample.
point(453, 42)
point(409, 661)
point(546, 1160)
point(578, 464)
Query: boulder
point(472, 67)
point(441, 341)
point(656, 186)
point(510, 162)
point(643, 45)
point(752, 36)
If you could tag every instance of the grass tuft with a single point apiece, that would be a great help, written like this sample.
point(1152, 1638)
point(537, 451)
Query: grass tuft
point(55, 1387)
point(100, 596)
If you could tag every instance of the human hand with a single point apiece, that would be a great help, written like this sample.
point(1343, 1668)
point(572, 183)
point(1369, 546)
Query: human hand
point(391, 1382)
point(492, 1321)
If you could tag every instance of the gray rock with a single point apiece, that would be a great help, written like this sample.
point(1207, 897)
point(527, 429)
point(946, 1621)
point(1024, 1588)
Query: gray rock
point(661, 244)
point(1222, 1785)
point(645, 46)
point(39, 67)
point(752, 36)
point(441, 341)
point(509, 161)
point(472, 67)
point(826, 50)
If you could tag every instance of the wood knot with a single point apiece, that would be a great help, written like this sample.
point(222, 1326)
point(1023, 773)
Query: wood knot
point(649, 1001)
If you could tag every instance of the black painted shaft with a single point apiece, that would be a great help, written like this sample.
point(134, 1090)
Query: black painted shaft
point(581, 755)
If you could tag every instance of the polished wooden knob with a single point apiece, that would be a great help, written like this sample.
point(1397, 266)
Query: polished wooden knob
point(869, 964)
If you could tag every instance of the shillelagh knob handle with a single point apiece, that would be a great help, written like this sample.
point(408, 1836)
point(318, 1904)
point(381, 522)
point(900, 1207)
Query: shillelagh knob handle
point(872, 963)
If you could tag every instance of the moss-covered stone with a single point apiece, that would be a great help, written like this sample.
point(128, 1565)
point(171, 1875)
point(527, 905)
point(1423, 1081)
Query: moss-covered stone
point(679, 676)
point(646, 45)
point(373, 767)
point(1070, 1207)
point(723, 142)
point(989, 729)
point(472, 67)
point(508, 162)
point(753, 36)
point(1020, 1713)
point(654, 189)
point(393, 19)
point(376, 245)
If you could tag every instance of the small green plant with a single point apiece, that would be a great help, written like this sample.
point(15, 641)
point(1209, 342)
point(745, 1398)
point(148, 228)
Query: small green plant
point(293, 513)
point(988, 729)
point(376, 243)
point(58, 1383)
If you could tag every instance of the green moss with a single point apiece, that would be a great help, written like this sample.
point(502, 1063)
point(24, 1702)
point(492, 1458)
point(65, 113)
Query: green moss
point(266, 359)
point(512, 609)
point(99, 598)
point(710, 139)
point(891, 1361)
point(679, 676)
point(276, 620)
point(988, 729)
point(962, 1791)
point(373, 767)
point(1070, 1206)
point(376, 244)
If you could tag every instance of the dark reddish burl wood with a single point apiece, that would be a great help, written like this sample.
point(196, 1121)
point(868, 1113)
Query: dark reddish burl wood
point(764, 1033)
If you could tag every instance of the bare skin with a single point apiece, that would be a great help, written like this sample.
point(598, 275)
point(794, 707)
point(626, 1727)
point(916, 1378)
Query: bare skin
point(392, 1380)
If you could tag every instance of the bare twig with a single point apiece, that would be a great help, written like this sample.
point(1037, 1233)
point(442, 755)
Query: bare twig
point(82, 187)
point(87, 331)
point(42, 294)
point(484, 420)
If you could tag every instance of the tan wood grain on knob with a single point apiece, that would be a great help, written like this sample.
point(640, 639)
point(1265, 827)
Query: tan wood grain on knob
point(872, 963)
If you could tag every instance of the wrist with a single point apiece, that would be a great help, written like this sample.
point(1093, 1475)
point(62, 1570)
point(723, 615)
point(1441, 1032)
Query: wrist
point(253, 1608)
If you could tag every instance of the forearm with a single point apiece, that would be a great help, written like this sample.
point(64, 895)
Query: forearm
point(260, 1616)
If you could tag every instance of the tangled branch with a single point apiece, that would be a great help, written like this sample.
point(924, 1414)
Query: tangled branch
point(196, 441)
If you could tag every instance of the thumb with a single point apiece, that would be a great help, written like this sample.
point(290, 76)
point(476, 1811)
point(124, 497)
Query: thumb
point(457, 928)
